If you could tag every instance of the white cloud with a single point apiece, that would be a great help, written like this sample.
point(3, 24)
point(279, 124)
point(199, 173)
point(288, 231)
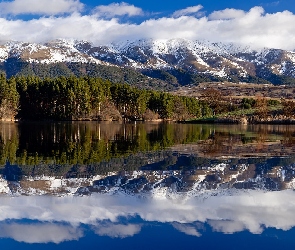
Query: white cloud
point(187, 11)
point(187, 229)
point(117, 230)
point(44, 7)
point(117, 9)
point(231, 212)
point(229, 227)
point(227, 14)
point(272, 4)
point(253, 28)
point(39, 232)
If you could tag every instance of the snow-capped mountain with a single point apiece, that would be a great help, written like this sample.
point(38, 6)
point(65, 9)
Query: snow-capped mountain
point(167, 60)
point(52, 52)
point(203, 57)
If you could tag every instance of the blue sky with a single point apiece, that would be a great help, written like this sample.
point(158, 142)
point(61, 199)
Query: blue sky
point(249, 23)
point(167, 6)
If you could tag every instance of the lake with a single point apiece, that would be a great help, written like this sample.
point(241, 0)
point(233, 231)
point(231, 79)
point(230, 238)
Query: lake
point(146, 186)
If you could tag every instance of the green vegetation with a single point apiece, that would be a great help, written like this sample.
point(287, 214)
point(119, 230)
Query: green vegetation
point(73, 98)
point(247, 103)
point(92, 98)
point(15, 67)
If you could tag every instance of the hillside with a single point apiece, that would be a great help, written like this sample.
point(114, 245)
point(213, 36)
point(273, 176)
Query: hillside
point(160, 64)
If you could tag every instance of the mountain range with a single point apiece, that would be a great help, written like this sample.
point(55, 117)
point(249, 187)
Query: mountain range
point(160, 64)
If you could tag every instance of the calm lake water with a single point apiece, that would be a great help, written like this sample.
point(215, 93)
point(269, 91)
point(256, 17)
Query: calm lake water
point(146, 186)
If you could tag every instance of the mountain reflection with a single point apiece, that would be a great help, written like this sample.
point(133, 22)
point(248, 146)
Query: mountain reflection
point(61, 180)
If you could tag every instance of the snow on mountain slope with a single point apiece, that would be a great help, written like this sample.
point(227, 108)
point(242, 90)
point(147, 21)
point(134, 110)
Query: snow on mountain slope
point(196, 57)
point(52, 52)
point(3, 53)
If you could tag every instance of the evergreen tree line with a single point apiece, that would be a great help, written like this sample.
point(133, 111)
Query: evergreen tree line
point(71, 98)
point(89, 98)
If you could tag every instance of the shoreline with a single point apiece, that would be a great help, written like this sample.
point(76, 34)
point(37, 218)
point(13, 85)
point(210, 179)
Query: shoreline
point(243, 120)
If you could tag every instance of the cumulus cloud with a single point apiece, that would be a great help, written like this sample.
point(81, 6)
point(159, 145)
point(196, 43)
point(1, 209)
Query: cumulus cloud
point(39, 232)
point(117, 9)
point(254, 28)
point(187, 11)
point(230, 227)
point(236, 211)
point(117, 230)
point(44, 7)
point(227, 14)
point(187, 229)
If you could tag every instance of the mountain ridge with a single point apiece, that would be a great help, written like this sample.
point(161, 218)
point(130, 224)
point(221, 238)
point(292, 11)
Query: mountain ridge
point(174, 62)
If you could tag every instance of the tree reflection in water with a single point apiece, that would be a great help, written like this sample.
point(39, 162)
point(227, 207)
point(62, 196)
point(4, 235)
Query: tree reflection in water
point(118, 179)
point(136, 152)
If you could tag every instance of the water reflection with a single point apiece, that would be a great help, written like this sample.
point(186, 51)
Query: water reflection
point(61, 182)
point(39, 232)
point(82, 158)
point(53, 219)
point(85, 143)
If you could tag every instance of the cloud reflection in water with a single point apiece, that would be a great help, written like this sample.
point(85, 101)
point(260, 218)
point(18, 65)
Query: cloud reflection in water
point(57, 219)
point(39, 232)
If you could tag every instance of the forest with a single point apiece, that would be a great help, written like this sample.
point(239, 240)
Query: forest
point(90, 98)
point(73, 98)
